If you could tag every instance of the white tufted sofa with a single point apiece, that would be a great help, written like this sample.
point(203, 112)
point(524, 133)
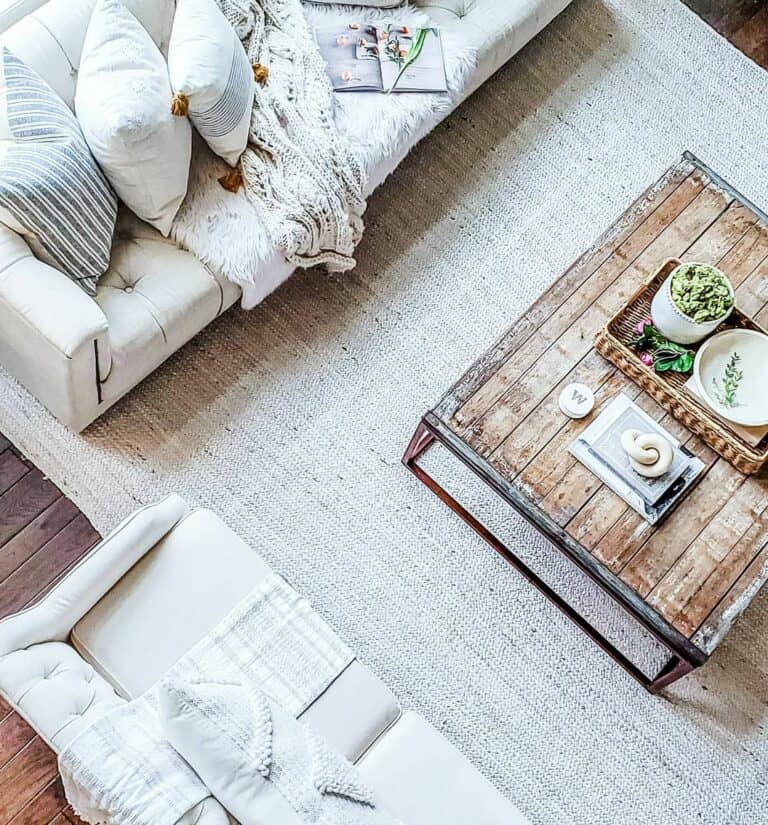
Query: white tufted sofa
point(78, 355)
point(144, 596)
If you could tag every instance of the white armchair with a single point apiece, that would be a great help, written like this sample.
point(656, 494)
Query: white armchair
point(152, 588)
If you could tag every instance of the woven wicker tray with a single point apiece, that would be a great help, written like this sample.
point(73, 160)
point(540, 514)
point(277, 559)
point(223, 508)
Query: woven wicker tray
point(666, 388)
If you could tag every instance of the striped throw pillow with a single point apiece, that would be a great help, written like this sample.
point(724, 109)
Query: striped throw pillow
point(211, 77)
point(51, 189)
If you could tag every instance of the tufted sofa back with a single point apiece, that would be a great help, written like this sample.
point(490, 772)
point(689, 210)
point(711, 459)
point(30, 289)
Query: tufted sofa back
point(49, 38)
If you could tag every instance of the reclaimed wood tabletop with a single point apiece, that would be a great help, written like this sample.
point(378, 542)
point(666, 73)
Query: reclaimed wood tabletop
point(691, 576)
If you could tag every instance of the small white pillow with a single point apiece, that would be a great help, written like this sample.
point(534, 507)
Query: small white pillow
point(123, 103)
point(211, 77)
point(262, 764)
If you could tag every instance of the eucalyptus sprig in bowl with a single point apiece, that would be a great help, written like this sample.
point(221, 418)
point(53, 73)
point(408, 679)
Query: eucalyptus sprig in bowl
point(692, 302)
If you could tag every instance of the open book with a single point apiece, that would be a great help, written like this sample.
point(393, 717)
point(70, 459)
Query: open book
point(385, 58)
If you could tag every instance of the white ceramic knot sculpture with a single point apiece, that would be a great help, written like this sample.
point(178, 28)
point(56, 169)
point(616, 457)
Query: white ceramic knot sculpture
point(650, 454)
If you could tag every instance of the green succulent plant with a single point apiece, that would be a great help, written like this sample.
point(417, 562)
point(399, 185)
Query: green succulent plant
point(701, 292)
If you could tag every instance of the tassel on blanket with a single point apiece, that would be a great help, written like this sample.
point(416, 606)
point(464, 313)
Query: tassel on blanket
point(260, 73)
point(180, 105)
point(232, 181)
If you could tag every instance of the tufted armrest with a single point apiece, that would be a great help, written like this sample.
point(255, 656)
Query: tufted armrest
point(51, 332)
point(54, 616)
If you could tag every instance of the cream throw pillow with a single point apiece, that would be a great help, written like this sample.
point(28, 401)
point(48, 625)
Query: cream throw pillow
point(211, 77)
point(123, 104)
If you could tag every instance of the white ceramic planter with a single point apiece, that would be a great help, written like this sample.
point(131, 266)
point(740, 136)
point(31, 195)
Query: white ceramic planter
point(673, 323)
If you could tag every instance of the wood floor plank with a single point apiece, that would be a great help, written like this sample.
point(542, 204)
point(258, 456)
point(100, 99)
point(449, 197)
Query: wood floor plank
point(28, 581)
point(12, 468)
point(24, 502)
point(15, 733)
point(22, 779)
point(735, 20)
point(35, 535)
point(43, 808)
point(752, 37)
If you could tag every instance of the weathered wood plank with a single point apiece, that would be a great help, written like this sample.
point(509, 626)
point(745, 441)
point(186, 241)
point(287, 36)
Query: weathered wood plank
point(31, 770)
point(723, 576)
point(689, 572)
point(709, 211)
point(638, 213)
point(712, 630)
point(666, 544)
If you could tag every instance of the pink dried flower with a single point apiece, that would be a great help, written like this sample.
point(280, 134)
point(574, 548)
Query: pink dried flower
point(383, 35)
point(647, 359)
point(641, 325)
point(342, 40)
point(345, 76)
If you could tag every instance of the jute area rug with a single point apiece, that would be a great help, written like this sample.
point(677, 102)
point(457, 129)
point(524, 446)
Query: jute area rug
point(290, 421)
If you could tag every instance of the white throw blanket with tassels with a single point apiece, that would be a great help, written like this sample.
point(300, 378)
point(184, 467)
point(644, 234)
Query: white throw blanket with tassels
point(338, 148)
point(121, 770)
point(302, 179)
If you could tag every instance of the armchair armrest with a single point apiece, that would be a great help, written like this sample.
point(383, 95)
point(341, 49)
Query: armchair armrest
point(53, 336)
point(54, 616)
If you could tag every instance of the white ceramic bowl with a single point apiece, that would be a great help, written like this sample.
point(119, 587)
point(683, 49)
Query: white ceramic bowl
point(676, 325)
point(751, 408)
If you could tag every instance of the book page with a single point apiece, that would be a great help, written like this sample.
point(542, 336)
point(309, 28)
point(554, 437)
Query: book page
point(351, 66)
point(425, 74)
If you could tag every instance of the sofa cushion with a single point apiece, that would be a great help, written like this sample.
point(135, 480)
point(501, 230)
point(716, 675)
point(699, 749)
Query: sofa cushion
point(353, 711)
point(423, 779)
point(211, 77)
point(123, 103)
point(50, 38)
point(51, 189)
point(55, 690)
point(155, 297)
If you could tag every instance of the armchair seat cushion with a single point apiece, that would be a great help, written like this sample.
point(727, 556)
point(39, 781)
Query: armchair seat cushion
point(167, 602)
point(176, 594)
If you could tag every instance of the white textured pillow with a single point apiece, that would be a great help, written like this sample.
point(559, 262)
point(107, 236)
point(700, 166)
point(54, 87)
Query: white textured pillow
point(262, 764)
point(211, 76)
point(123, 103)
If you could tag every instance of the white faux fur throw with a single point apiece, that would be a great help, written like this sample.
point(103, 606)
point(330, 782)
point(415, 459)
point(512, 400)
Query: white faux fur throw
point(235, 236)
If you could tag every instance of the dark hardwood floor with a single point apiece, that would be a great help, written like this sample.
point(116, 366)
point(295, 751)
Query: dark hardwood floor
point(743, 22)
point(42, 534)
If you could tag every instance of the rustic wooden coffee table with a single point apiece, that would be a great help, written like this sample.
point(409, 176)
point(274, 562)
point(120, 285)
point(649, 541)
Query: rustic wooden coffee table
point(687, 580)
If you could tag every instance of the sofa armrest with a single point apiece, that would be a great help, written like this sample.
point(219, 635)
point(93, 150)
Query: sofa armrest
point(53, 617)
point(53, 336)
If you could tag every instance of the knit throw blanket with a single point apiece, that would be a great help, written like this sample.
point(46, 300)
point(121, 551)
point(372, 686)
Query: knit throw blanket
point(122, 770)
point(302, 180)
